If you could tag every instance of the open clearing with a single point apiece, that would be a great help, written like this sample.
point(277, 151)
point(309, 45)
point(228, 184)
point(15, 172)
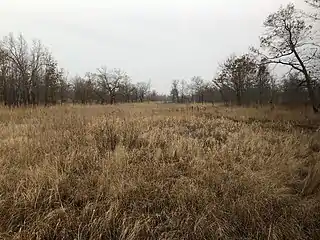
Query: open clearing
point(148, 171)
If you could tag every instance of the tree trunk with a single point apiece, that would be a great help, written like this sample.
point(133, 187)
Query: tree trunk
point(260, 90)
point(112, 98)
point(61, 96)
point(239, 100)
point(308, 81)
point(45, 96)
point(5, 91)
point(33, 97)
point(311, 93)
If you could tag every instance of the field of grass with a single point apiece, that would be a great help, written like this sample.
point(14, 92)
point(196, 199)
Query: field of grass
point(153, 171)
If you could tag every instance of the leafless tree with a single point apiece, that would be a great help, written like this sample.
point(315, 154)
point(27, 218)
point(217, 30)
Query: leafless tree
point(51, 79)
point(36, 63)
point(143, 89)
point(208, 92)
point(83, 89)
point(236, 74)
point(28, 75)
point(292, 93)
point(31, 75)
point(263, 82)
point(174, 90)
point(17, 52)
point(111, 81)
point(79, 90)
point(183, 90)
point(288, 41)
point(4, 68)
point(197, 86)
point(127, 89)
point(64, 87)
point(219, 83)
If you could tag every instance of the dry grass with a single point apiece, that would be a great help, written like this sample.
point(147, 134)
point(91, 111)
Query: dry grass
point(159, 172)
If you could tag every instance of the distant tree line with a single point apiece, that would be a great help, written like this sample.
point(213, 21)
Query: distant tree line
point(30, 75)
point(291, 39)
point(243, 81)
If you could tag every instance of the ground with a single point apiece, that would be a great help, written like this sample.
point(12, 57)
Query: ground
point(159, 171)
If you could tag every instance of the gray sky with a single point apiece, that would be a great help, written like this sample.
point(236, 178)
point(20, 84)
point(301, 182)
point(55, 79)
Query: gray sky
point(159, 40)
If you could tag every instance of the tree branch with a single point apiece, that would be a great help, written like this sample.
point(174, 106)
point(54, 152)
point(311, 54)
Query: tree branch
point(283, 63)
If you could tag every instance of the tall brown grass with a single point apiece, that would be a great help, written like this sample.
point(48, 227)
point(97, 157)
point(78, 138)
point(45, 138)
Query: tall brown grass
point(159, 172)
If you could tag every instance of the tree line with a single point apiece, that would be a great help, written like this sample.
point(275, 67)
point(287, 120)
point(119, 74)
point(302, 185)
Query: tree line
point(290, 39)
point(30, 75)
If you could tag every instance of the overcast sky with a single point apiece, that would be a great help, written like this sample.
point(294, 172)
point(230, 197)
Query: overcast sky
point(159, 40)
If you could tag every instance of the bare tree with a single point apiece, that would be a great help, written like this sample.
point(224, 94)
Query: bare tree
point(183, 90)
point(36, 63)
point(142, 90)
point(111, 81)
point(219, 83)
point(237, 74)
point(263, 81)
point(197, 86)
point(27, 73)
point(17, 52)
point(83, 89)
point(64, 87)
point(96, 90)
point(79, 89)
point(127, 89)
point(4, 68)
point(174, 91)
point(51, 79)
point(292, 93)
point(288, 41)
point(208, 92)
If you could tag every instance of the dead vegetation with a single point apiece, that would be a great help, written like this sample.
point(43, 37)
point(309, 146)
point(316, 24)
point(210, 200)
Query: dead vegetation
point(158, 172)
